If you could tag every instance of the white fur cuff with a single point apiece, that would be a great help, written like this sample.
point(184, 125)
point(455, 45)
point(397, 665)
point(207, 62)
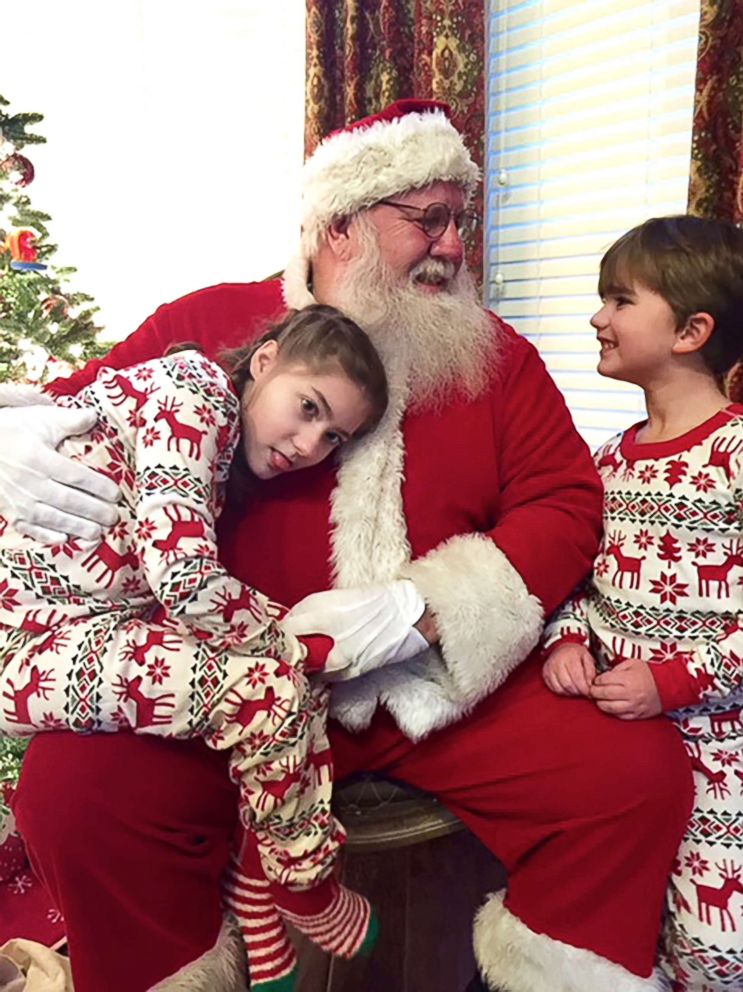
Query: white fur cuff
point(513, 957)
point(487, 619)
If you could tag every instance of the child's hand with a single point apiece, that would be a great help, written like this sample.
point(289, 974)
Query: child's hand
point(569, 670)
point(627, 691)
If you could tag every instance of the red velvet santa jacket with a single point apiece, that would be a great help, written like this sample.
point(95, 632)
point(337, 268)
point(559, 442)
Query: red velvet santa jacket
point(491, 506)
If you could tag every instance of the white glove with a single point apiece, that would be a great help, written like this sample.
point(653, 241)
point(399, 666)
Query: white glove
point(371, 627)
point(43, 494)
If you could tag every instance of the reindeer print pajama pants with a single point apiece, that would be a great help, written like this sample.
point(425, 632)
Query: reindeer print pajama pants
point(144, 630)
point(95, 676)
point(703, 936)
point(667, 589)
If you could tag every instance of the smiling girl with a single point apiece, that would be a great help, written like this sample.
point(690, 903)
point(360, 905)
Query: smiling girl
point(144, 630)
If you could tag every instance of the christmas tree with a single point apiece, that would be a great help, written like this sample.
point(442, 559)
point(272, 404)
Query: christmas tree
point(45, 327)
point(11, 756)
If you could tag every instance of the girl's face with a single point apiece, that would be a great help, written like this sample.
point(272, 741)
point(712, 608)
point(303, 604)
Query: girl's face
point(637, 333)
point(293, 417)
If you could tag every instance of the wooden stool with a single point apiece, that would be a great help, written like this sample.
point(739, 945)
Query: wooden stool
point(380, 814)
point(424, 873)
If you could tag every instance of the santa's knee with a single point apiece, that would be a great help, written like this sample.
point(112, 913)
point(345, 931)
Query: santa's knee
point(49, 804)
point(646, 777)
point(105, 788)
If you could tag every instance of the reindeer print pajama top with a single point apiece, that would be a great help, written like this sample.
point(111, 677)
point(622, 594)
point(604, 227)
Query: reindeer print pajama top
point(667, 587)
point(145, 630)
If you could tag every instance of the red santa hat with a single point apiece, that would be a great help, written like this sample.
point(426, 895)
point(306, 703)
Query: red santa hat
point(408, 145)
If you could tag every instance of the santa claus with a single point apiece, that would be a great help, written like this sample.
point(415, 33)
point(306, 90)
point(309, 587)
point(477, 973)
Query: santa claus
point(448, 536)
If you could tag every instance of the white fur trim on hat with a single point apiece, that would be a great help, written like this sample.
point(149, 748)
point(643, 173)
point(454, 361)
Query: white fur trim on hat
point(294, 284)
point(514, 958)
point(356, 168)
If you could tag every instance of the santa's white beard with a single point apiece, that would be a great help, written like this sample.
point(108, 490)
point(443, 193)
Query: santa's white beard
point(443, 343)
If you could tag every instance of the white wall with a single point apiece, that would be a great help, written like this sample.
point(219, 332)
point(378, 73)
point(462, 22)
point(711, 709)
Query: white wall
point(175, 132)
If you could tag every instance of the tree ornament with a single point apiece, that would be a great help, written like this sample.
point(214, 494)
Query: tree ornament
point(22, 247)
point(18, 168)
point(56, 307)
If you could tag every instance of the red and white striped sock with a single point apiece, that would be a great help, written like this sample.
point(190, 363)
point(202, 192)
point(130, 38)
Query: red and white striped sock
point(333, 917)
point(272, 960)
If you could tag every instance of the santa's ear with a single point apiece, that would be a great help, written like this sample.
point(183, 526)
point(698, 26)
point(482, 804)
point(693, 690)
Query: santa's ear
point(695, 333)
point(339, 239)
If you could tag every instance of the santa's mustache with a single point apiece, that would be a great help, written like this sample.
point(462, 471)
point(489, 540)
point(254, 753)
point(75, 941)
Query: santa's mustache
point(441, 343)
point(434, 270)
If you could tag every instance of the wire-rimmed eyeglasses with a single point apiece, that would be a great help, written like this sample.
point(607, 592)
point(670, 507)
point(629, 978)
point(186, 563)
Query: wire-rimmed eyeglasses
point(434, 219)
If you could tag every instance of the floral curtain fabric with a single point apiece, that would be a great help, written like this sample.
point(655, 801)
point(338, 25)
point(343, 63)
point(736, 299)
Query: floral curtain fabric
point(363, 54)
point(716, 183)
point(716, 180)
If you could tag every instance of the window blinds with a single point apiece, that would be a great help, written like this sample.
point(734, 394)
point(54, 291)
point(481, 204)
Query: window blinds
point(589, 133)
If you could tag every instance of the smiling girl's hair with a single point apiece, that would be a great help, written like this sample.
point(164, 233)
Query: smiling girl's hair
point(324, 341)
point(696, 265)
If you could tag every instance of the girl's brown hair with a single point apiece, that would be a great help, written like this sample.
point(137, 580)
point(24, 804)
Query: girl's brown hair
point(322, 339)
point(696, 265)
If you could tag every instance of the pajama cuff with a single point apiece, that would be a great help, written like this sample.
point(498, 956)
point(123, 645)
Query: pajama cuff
point(546, 650)
point(317, 647)
point(675, 685)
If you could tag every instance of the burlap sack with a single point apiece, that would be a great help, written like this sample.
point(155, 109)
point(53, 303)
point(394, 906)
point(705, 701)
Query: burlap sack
point(26, 966)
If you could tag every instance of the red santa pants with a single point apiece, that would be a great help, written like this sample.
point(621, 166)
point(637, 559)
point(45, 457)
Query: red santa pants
point(586, 812)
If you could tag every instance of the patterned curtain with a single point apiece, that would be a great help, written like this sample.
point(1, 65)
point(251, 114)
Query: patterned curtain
point(716, 183)
point(363, 54)
point(716, 186)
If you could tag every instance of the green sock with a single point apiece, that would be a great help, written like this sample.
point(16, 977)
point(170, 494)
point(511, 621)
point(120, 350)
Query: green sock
point(285, 984)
